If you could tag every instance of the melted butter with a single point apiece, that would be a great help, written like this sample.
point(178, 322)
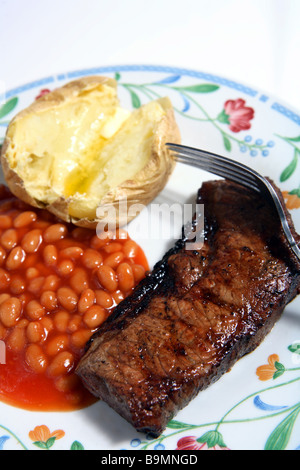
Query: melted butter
point(80, 178)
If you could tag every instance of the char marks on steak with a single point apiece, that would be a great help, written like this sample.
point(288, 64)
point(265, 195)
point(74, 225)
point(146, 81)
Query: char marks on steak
point(197, 313)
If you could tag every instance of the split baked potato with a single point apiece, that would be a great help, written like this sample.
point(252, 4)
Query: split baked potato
point(76, 152)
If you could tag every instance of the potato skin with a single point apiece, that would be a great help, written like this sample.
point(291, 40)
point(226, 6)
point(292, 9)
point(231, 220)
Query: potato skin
point(142, 189)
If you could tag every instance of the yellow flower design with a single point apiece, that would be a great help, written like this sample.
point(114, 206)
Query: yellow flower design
point(267, 371)
point(43, 438)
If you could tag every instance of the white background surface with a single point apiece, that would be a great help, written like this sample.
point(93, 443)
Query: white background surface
point(254, 42)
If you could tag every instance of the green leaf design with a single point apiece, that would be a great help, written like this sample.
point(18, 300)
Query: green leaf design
point(289, 170)
point(45, 445)
point(117, 76)
point(173, 424)
point(40, 444)
point(77, 446)
point(212, 438)
point(201, 88)
point(7, 107)
point(227, 143)
point(278, 373)
point(294, 139)
point(294, 348)
point(136, 103)
point(223, 117)
point(280, 369)
point(295, 191)
point(279, 438)
point(279, 366)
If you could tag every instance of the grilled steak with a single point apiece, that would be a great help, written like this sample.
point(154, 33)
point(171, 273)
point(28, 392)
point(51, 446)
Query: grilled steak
point(196, 314)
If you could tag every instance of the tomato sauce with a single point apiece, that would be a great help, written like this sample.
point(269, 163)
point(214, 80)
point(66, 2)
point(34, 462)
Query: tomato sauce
point(58, 284)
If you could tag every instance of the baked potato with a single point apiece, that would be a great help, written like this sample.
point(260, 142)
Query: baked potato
point(76, 152)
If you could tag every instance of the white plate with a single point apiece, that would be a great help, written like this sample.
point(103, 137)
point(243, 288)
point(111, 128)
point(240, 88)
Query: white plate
point(246, 412)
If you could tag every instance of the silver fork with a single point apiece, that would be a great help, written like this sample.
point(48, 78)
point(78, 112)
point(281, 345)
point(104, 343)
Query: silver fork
point(237, 172)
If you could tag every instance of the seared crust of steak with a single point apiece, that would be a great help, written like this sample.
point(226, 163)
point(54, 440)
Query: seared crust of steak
point(197, 313)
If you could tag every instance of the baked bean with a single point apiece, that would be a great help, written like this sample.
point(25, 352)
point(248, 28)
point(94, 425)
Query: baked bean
point(2, 256)
point(34, 310)
point(62, 363)
point(125, 277)
point(112, 247)
point(3, 331)
point(9, 238)
point(4, 279)
point(52, 282)
point(59, 342)
point(22, 323)
point(86, 300)
point(15, 258)
point(47, 324)
point(130, 249)
point(114, 259)
point(49, 300)
point(50, 255)
point(35, 358)
point(35, 332)
point(73, 252)
point(3, 297)
point(97, 243)
point(103, 298)
point(74, 323)
point(117, 296)
point(79, 280)
point(32, 240)
point(91, 259)
point(36, 284)
point(61, 320)
point(65, 267)
point(67, 298)
point(94, 316)
point(139, 272)
point(17, 284)
point(107, 277)
point(67, 382)
point(24, 218)
point(31, 273)
point(16, 339)
point(10, 311)
point(80, 233)
point(5, 221)
point(55, 232)
point(80, 338)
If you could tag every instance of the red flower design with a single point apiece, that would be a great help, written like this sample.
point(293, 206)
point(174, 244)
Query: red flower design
point(238, 114)
point(191, 443)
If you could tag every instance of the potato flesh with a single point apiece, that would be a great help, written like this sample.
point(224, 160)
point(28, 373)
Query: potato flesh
point(82, 149)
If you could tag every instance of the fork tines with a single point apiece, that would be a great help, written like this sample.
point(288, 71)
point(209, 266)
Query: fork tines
point(216, 164)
